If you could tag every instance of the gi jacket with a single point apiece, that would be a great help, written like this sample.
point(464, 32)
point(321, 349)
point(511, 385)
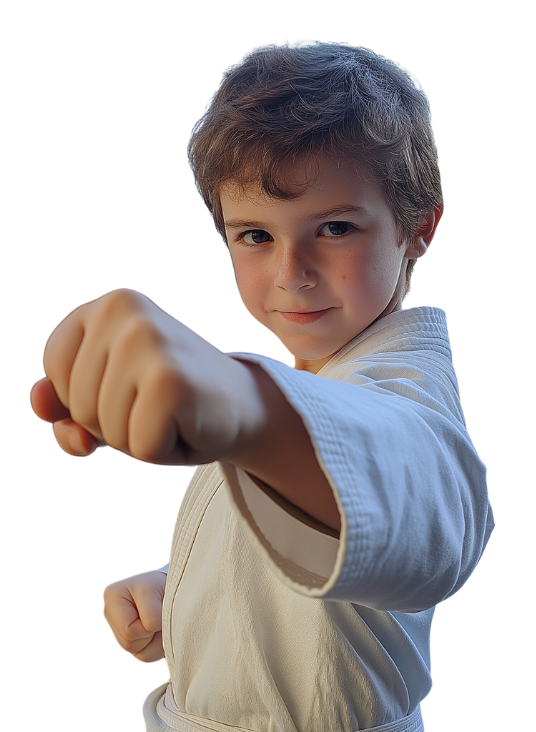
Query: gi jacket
point(274, 623)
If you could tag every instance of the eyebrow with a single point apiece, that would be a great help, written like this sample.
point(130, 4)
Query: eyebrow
point(325, 215)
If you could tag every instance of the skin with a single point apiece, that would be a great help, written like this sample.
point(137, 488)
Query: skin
point(122, 372)
point(292, 256)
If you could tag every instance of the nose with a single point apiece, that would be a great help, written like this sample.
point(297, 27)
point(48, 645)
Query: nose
point(294, 271)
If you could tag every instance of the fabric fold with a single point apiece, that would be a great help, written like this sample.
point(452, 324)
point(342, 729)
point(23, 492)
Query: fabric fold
point(271, 623)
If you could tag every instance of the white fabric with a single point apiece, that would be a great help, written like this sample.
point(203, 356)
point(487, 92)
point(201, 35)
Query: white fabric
point(271, 624)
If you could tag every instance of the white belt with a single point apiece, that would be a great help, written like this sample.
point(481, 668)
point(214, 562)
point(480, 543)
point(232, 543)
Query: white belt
point(162, 715)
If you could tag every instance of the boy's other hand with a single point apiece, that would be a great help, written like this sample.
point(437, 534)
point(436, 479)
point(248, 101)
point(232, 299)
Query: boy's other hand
point(133, 609)
point(122, 372)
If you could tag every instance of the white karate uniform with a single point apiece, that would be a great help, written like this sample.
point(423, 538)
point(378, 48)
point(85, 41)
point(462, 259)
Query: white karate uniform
point(271, 622)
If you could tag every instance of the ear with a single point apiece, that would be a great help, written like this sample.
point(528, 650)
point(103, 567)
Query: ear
point(424, 234)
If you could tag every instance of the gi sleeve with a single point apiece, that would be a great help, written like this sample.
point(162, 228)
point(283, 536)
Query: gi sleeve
point(408, 483)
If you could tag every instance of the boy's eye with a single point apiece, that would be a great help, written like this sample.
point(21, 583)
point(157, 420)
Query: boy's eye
point(256, 236)
point(335, 228)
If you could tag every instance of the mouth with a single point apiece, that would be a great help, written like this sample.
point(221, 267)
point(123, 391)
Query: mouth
point(304, 317)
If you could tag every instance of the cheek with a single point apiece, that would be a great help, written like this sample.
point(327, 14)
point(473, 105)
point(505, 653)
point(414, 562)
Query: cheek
point(382, 266)
point(359, 272)
point(367, 280)
point(250, 285)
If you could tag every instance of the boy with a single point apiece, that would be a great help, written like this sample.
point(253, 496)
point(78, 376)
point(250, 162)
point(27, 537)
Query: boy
point(336, 503)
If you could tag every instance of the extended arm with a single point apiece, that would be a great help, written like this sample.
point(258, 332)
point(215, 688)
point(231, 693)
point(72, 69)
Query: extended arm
point(280, 453)
point(122, 372)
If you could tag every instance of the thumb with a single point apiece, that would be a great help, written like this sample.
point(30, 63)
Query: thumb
point(45, 402)
point(151, 619)
point(149, 604)
point(74, 439)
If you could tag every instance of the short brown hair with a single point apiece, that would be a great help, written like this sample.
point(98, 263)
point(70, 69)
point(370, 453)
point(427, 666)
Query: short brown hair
point(282, 104)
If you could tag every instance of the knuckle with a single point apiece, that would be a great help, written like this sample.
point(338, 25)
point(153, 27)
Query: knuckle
point(116, 590)
point(128, 645)
point(107, 589)
point(121, 300)
point(129, 637)
point(139, 339)
point(108, 593)
point(136, 331)
point(83, 411)
point(116, 306)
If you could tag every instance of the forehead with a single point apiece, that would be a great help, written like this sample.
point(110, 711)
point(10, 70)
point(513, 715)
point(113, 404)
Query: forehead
point(321, 183)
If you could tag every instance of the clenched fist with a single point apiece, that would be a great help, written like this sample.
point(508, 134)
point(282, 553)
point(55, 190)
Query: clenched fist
point(122, 372)
point(133, 609)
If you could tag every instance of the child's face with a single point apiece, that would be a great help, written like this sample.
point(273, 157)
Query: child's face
point(319, 269)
